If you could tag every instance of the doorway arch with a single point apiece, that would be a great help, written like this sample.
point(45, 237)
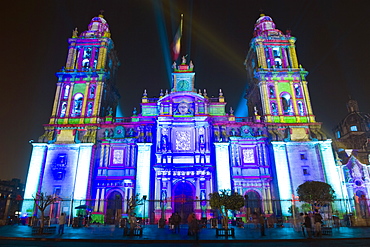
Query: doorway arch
point(184, 199)
point(114, 207)
point(253, 202)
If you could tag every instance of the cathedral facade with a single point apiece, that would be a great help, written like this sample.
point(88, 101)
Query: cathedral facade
point(183, 145)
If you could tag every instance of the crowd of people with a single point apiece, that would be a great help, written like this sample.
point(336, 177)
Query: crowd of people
point(310, 223)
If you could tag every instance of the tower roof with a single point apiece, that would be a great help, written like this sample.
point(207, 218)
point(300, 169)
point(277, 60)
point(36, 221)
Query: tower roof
point(265, 26)
point(98, 27)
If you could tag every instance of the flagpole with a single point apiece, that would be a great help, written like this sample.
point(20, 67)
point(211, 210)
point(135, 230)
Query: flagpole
point(181, 21)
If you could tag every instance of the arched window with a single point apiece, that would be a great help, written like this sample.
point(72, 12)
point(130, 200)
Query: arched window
point(300, 108)
point(271, 91)
point(77, 105)
point(298, 92)
point(287, 104)
point(86, 58)
point(89, 109)
point(63, 109)
point(274, 109)
point(66, 91)
point(92, 92)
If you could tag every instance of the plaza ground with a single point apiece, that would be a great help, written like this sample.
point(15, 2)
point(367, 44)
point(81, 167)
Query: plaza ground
point(250, 235)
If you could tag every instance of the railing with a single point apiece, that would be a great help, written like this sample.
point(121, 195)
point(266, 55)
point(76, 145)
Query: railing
point(344, 212)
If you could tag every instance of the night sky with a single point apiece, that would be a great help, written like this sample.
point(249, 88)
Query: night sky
point(333, 40)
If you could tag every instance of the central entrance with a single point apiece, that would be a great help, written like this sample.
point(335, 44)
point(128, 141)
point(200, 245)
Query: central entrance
point(114, 207)
point(184, 199)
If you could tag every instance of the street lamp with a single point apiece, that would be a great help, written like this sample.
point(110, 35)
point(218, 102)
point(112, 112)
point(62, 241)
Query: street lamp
point(144, 198)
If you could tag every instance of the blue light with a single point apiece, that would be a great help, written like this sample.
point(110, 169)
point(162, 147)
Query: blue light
point(34, 172)
point(143, 172)
point(223, 166)
point(83, 171)
point(159, 17)
point(282, 175)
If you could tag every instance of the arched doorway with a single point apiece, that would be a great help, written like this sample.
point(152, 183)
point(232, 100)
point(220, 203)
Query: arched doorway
point(184, 199)
point(114, 207)
point(253, 202)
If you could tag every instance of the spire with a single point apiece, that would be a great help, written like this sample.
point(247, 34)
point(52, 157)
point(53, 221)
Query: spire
point(221, 97)
point(144, 99)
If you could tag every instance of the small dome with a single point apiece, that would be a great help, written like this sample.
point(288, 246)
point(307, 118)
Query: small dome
point(98, 27)
point(265, 26)
point(264, 18)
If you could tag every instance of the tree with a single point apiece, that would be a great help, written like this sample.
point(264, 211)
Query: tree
point(132, 203)
point(294, 210)
point(306, 207)
point(224, 201)
point(315, 193)
point(42, 201)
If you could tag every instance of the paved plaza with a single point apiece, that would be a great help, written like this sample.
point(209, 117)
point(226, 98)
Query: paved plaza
point(152, 234)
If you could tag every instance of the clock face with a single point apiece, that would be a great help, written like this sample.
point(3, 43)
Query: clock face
point(183, 85)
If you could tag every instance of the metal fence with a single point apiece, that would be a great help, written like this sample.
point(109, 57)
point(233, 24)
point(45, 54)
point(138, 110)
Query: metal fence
point(344, 212)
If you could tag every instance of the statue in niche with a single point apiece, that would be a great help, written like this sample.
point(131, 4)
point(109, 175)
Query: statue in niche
point(164, 198)
point(164, 144)
point(202, 144)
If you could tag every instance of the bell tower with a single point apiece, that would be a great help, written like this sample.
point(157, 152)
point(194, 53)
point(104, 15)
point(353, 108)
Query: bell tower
point(278, 88)
point(85, 88)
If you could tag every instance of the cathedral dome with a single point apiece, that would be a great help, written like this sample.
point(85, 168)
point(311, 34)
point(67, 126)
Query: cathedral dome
point(264, 18)
point(355, 123)
point(98, 27)
point(265, 26)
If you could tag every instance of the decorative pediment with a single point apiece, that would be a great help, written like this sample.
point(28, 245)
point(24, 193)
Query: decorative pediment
point(355, 168)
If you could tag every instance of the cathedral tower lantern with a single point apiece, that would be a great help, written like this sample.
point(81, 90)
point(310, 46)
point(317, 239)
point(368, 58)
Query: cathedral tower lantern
point(278, 86)
point(183, 77)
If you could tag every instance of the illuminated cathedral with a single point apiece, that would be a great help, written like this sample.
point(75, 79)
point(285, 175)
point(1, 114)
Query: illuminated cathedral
point(183, 145)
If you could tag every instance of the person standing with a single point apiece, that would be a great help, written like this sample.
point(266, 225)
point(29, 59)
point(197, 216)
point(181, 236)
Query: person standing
point(301, 220)
point(317, 219)
point(176, 218)
point(307, 223)
point(262, 224)
point(62, 222)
